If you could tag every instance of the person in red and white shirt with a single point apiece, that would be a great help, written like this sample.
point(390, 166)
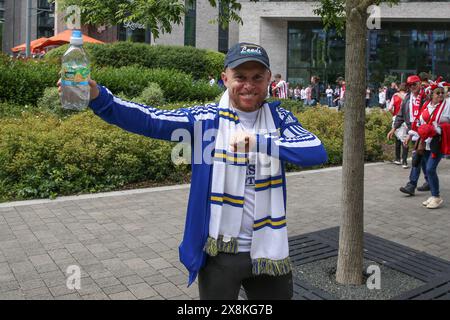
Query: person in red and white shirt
point(281, 87)
point(408, 113)
point(433, 120)
point(394, 108)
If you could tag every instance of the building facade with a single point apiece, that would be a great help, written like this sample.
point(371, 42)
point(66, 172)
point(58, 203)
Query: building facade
point(46, 20)
point(414, 36)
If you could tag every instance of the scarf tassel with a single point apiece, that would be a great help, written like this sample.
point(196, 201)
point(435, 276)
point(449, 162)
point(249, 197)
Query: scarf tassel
point(214, 246)
point(272, 267)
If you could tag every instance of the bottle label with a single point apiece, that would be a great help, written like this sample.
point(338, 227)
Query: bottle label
point(72, 76)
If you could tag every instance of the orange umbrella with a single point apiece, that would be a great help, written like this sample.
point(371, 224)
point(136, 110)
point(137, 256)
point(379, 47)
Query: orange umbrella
point(33, 45)
point(63, 38)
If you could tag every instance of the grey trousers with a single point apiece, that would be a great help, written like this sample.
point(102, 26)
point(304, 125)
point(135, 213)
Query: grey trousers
point(223, 275)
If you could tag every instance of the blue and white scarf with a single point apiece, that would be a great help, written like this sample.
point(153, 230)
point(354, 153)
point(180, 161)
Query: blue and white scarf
point(269, 250)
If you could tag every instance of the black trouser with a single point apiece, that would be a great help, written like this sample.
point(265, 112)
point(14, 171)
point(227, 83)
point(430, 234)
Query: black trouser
point(399, 146)
point(223, 275)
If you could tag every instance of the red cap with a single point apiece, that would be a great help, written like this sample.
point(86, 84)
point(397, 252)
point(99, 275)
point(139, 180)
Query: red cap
point(413, 79)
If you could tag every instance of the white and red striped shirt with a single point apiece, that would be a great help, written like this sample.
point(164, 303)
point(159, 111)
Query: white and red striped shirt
point(282, 89)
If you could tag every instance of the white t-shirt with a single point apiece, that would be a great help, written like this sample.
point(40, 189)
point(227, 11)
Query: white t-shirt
point(303, 94)
point(382, 97)
point(248, 120)
point(211, 82)
point(329, 92)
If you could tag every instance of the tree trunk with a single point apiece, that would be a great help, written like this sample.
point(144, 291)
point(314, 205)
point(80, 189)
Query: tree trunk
point(350, 259)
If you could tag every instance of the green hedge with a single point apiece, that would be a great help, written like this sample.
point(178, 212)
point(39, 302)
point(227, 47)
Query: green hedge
point(328, 125)
point(23, 82)
point(44, 156)
point(176, 85)
point(198, 62)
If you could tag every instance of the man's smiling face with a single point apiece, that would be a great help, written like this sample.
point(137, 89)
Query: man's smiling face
point(247, 85)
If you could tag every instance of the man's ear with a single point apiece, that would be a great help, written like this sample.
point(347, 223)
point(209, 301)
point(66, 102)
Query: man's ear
point(224, 78)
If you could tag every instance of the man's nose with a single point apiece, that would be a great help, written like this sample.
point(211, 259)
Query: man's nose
point(249, 85)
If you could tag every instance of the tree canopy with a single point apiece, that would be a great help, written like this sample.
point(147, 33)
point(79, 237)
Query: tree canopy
point(157, 15)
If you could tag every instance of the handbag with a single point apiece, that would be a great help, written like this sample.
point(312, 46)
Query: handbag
point(402, 132)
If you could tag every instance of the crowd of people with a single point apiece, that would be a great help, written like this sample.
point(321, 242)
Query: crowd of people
point(420, 110)
point(421, 119)
point(310, 95)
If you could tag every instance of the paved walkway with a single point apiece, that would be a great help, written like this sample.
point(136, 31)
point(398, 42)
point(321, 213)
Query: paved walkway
point(126, 243)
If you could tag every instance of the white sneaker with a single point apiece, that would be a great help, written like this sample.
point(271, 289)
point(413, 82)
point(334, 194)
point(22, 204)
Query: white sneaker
point(397, 162)
point(435, 202)
point(426, 202)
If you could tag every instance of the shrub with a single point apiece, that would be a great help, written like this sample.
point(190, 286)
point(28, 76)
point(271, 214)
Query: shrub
point(289, 104)
point(152, 95)
point(132, 81)
point(42, 156)
point(12, 110)
point(50, 102)
point(24, 82)
point(328, 125)
point(197, 62)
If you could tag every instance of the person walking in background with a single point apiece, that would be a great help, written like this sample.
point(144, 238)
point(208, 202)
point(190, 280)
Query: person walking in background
point(303, 96)
point(336, 96)
point(281, 87)
point(315, 91)
point(329, 92)
point(272, 89)
point(291, 92)
point(409, 112)
point(433, 120)
point(342, 88)
point(308, 95)
point(382, 97)
point(401, 149)
point(368, 95)
point(212, 81)
point(297, 93)
point(390, 92)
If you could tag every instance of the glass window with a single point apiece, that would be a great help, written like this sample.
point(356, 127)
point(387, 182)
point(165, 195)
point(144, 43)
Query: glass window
point(312, 51)
point(133, 32)
point(403, 49)
point(398, 49)
point(223, 33)
point(189, 23)
point(2, 20)
point(45, 19)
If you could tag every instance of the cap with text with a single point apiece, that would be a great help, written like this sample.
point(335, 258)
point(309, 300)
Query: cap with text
point(245, 52)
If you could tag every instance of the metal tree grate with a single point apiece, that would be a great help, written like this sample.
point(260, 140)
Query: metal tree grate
point(323, 244)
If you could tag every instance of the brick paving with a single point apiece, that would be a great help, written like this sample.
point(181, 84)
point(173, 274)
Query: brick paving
point(126, 243)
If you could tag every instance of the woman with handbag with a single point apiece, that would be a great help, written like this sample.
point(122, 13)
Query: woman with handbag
point(429, 127)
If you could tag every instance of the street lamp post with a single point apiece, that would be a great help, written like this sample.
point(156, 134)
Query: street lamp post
point(28, 22)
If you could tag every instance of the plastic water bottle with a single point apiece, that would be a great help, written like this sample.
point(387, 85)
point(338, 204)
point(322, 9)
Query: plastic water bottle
point(75, 74)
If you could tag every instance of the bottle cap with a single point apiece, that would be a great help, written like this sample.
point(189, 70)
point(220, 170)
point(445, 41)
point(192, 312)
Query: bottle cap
point(77, 37)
